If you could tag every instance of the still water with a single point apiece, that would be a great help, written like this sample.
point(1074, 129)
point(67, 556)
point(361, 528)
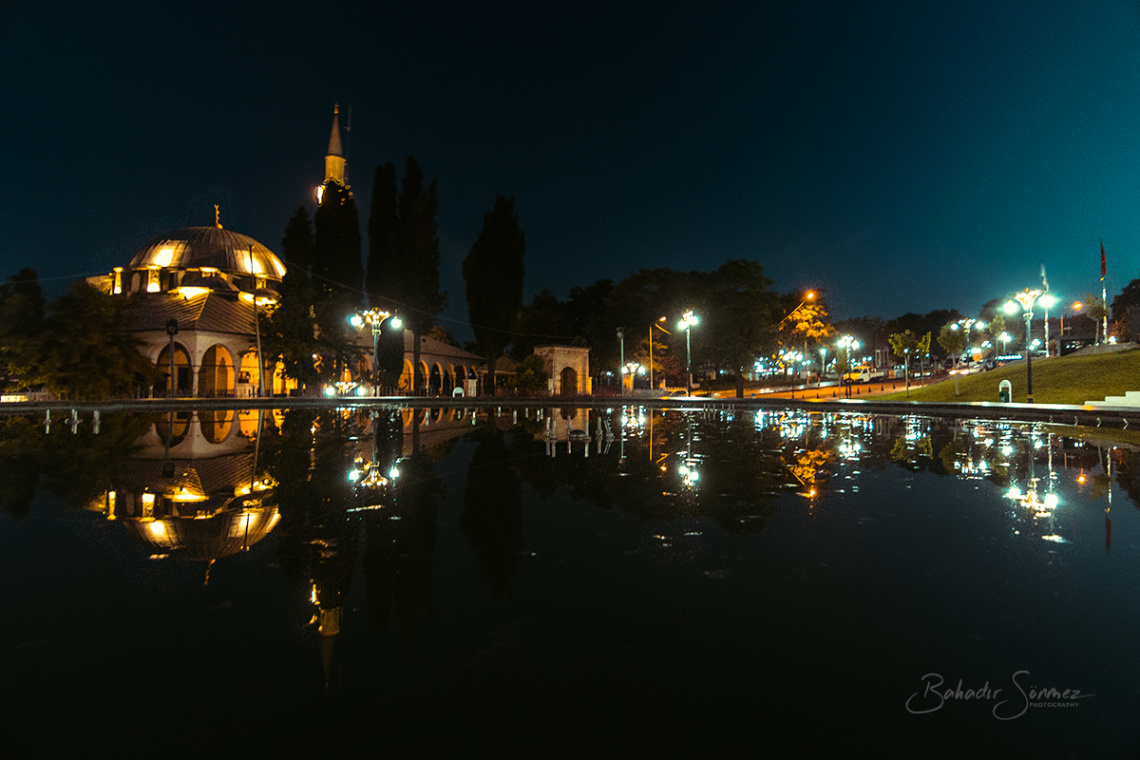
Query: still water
point(563, 582)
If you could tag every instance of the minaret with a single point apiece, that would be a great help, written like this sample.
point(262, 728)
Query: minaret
point(334, 160)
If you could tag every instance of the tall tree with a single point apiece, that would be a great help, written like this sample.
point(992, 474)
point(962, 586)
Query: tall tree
point(384, 270)
point(493, 274)
point(405, 273)
point(336, 264)
point(297, 243)
point(739, 324)
point(21, 319)
point(419, 244)
point(83, 352)
point(289, 333)
point(337, 276)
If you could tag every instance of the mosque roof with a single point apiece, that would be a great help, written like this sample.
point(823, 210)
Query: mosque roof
point(205, 312)
point(224, 250)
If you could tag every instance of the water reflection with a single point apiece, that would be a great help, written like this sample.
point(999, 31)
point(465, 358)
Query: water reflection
point(370, 516)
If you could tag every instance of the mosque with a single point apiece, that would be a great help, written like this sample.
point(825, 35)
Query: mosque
point(203, 292)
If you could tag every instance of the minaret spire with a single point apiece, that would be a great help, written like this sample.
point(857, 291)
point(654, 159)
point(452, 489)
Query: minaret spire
point(334, 159)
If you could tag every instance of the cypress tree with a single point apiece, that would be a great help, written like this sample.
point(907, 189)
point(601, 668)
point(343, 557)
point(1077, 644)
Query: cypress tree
point(382, 280)
point(336, 264)
point(404, 252)
point(493, 274)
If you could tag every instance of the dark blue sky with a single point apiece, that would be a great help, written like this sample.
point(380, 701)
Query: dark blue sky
point(905, 156)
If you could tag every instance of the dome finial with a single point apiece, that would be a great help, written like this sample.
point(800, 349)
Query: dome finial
point(217, 217)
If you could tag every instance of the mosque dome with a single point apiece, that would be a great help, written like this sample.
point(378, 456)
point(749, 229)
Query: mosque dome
point(209, 247)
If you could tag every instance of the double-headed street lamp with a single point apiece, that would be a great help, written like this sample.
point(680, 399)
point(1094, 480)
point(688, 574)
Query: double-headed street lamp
point(688, 320)
point(848, 344)
point(632, 369)
point(1025, 300)
point(966, 324)
point(375, 318)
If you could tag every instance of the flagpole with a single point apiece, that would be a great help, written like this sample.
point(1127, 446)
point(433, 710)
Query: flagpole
point(1103, 293)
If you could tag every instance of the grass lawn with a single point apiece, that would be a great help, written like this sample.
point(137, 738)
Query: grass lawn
point(1058, 380)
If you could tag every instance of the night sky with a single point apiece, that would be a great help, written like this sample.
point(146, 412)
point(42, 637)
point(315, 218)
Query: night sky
point(904, 156)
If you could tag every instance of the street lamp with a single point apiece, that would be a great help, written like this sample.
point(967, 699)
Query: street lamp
point(656, 324)
point(632, 369)
point(808, 296)
point(822, 365)
point(1025, 300)
point(848, 344)
point(966, 324)
point(688, 319)
point(375, 318)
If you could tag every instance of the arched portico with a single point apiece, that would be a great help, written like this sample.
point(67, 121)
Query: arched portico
point(183, 379)
point(216, 372)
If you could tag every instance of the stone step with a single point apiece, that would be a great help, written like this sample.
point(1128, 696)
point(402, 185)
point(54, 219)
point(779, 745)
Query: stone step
point(1130, 398)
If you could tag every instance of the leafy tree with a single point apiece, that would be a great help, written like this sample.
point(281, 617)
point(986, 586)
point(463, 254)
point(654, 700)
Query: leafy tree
point(442, 335)
point(493, 273)
point(952, 339)
point(545, 320)
point(739, 323)
point(1097, 311)
point(530, 375)
point(996, 326)
point(289, 332)
point(21, 318)
point(810, 322)
point(82, 352)
point(905, 345)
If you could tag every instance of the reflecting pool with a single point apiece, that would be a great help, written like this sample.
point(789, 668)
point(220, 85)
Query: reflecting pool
point(568, 582)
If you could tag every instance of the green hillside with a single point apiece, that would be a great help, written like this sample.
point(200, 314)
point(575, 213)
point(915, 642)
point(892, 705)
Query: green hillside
point(1059, 380)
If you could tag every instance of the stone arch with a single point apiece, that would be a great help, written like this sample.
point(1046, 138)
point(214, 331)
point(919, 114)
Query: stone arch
point(448, 379)
point(215, 424)
point(406, 376)
point(183, 377)
point(435, 380)
point(173, 426)
point(216, 372)
point(248, 378)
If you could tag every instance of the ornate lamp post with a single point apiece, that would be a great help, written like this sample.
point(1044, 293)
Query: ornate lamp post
point(688, 319)
point(375, 318)
point(848, 344)
point(966, 324)
point(1025, 300)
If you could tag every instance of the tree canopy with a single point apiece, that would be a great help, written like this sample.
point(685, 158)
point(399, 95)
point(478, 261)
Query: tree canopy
point(403, 261)
point(493, 274)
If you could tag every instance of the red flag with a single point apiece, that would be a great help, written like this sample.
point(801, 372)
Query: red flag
point(1103, 262)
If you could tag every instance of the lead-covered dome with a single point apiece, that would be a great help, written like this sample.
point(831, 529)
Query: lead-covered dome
point(210, 247)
